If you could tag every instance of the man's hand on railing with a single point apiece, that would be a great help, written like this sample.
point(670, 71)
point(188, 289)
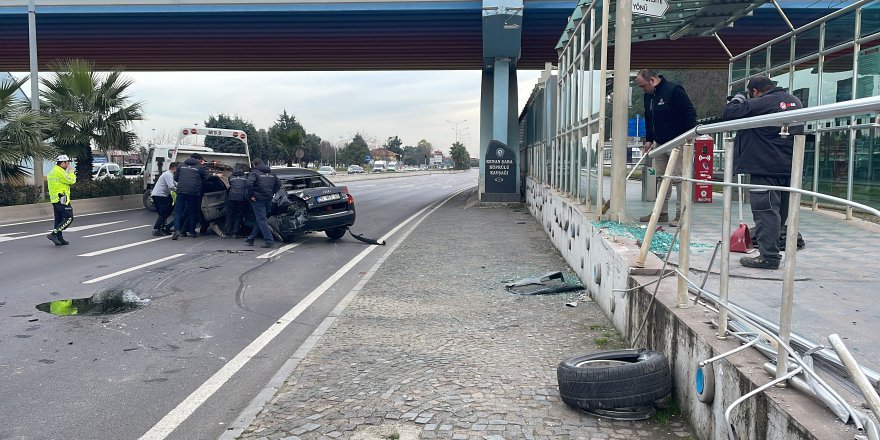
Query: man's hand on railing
point(647, 147)
point(740, 97)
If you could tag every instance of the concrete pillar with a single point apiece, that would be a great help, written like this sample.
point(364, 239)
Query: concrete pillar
point(620, 110)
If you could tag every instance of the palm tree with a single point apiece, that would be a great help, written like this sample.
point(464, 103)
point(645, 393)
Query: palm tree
point(87, 108)
point(21, 132)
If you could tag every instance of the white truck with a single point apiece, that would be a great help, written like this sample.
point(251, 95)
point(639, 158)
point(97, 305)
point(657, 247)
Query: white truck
point(222, 164)
point(379, 166)
point(392, 166)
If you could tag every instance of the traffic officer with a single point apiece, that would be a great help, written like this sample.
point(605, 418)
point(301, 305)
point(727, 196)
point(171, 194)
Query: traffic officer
point(262, 185)
point(766, 156)
point(236, 201)
point(59, 181)
point(189, 177)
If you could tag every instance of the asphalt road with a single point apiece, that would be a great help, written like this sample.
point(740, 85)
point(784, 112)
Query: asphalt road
point(213, 304)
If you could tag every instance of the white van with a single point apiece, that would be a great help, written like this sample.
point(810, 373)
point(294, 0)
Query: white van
point(379, 166)
point(101, 171)
point(392, 166)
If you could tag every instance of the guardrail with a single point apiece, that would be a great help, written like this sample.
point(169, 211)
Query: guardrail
point(785, 354)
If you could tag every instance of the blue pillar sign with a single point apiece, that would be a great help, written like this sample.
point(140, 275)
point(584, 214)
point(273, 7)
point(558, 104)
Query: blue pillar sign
point(500, 168)
point(367, 158)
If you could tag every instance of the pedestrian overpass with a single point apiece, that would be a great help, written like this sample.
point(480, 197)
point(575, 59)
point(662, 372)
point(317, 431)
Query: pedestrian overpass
point(495, 36)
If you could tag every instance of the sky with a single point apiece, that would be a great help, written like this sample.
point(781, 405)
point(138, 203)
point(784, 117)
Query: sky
point(413, 105)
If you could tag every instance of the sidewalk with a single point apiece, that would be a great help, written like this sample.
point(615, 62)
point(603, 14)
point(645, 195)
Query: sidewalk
point(433, 347)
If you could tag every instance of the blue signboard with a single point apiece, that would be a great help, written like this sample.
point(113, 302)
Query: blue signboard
point(99, 159)
point(636, 126)
point(368, 158)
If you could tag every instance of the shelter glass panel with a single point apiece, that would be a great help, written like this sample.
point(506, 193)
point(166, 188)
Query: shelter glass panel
point(834, 163)
point(868, 73)
point(805, 83)
point(757, 62)
point(738, 86)
point(781, 78)
point(866, 171)
point(809, 161)
point(806, 43)
point(840, 30)
point(780, 53)
point(597, 92)
point(837, 77)
point(871, 19)
point(739, 69)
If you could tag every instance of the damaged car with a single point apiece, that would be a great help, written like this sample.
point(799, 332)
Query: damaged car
point(308, 202)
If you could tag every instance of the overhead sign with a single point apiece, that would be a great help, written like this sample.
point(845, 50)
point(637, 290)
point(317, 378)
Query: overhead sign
point(651, 8)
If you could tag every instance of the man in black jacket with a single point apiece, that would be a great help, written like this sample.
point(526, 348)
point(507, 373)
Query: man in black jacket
point(236, 201)
point(668, 113)
point(262, 184)
point(189, 177)
point(766, 156)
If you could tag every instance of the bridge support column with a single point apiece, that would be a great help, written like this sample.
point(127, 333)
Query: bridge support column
point(499, 128)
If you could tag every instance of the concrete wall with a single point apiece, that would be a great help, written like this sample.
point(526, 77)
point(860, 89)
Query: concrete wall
point(604, 262)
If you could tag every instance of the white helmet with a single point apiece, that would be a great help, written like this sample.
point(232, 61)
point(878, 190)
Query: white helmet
point(62, 158)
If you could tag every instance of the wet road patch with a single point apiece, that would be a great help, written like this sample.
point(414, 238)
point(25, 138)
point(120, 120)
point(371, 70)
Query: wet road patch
point(107, 302)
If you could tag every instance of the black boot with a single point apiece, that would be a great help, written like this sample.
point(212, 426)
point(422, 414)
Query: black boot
point(54, 239)
point(61, 239)
point(759, 262)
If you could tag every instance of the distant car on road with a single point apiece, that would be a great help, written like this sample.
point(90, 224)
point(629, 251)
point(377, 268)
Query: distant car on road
point(132, 172)
point(355, 169)
point(326, 170)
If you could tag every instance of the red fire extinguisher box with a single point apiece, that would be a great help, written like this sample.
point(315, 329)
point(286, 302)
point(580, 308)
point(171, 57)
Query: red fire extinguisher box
point(704, 149)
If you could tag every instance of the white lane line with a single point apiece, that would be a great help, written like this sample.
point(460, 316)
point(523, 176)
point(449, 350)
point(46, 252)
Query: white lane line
point(447, 186)
point(125, 246)
point(77, 216)
point(130, 269)
point(278, 251)
point(115, 231)
point(73, 229)
point(188, 406)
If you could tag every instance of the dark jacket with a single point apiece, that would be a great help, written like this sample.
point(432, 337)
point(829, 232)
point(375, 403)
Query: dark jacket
point(237, 187)
point(189, 177)
point(763, 151)
point(668, 112)
point(262, 184)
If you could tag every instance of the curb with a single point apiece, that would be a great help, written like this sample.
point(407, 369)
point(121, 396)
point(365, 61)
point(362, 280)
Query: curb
point(38, 211)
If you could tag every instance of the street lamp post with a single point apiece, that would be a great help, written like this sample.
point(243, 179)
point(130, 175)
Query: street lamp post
point(456, 127)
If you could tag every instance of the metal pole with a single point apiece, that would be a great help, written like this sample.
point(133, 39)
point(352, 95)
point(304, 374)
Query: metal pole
point(622, 42)
point(850, 169)
point(856, 373)
point(684, 239)
point(603, 78)
point(35, 88)
point(794, 204)
point(658, 204)
point(725, 238)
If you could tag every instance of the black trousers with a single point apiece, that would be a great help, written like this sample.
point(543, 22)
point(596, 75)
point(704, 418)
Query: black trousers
point(164, 209)
point(63, 217)
point(770, 211)
point(234, 215)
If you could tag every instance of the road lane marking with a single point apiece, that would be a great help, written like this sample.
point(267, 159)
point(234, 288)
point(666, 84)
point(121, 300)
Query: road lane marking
point(125, 246)
point(131, 269)
point(278, 251)
point(73, 229)
point(77, 216)
point(188, 406)
point(115, 231)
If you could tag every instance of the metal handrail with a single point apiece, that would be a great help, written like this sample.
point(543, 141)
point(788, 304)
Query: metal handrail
point(791, 117)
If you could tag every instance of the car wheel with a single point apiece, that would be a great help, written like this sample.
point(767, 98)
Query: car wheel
point(336, 233)
point(614, 379)
point(148, 201)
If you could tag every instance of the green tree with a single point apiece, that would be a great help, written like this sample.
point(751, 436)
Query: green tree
point(312, 148)
point(287, 135)
point(87, 107)
point(232, 145)
point(355, 151)
point(460, 156)
point(21, 132)
point(393, 144)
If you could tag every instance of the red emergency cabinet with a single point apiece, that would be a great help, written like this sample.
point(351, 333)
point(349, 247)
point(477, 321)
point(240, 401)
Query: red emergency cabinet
point(704, 149)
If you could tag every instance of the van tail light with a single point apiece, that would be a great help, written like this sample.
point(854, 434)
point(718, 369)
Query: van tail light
point(350, 199)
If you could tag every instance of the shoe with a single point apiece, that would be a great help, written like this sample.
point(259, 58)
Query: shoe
point(674, 222)
point(268, 245)
point(157, 233)
point(194, 234)
point(175, 235)
point(647, 218)
point(184, 234)
point(248, 242)
point(54, 239)
point(759, 262)
point(227, 236)
point(62, 240)
point(239, 236)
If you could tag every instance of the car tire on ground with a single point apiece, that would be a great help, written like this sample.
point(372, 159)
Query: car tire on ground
point(336, 233)
point(614, 379)
point(148, 201)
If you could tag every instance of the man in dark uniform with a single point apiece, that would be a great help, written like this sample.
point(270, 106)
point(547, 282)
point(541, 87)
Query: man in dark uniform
point(668, 113)
point(189, 177)
point(766, 156)
point(262, 184)
point(236, 201)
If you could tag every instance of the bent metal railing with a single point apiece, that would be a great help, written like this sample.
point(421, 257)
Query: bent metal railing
point(783, 120)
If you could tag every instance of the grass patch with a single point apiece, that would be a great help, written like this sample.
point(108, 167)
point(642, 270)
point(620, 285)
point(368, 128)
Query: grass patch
point(665, 415)
point(601, 342)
